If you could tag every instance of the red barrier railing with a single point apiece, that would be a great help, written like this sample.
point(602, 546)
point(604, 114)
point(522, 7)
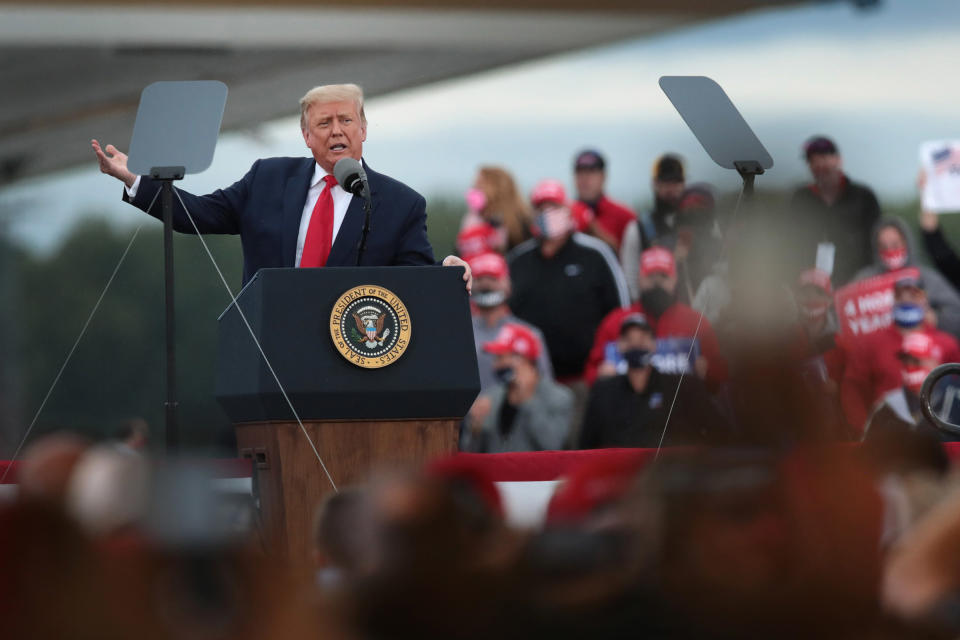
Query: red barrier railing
point(528, 466)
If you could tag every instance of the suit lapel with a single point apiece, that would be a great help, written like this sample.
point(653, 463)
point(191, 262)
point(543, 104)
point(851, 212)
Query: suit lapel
point(294, 197)
point(348, 237)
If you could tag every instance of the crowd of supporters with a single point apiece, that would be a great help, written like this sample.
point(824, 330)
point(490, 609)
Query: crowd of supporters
point(618, 329)
point(595, 328)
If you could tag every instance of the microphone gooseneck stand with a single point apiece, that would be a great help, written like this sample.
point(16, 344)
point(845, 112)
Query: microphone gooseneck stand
point(366, 226)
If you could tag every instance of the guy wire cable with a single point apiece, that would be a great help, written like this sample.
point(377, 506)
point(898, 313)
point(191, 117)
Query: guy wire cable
point(76, 343)
point(696, 333)
point(243, 316)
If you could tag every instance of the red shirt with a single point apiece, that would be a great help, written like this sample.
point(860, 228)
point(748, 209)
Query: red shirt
point(611, 216)
point(678, 321)
point(872, 369)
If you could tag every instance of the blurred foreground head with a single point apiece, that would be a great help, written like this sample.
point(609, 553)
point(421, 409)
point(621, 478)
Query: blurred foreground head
point(47, 465)
point(343, 537)
point(109, 491)
point(748, 543)
point(441, 558)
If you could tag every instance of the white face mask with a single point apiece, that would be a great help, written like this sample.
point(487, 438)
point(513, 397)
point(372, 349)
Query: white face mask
point(489, 298)
point(554, 222)
point(913, 377)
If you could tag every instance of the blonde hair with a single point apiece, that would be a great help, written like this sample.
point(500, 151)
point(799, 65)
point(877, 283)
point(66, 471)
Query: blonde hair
point(327, 93)
point(505, 200)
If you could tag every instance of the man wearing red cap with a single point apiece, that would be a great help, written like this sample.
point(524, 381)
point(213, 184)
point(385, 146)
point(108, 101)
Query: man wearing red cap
point(919, 354)
point(873, 366)
point(609, 218)
point(817, 340)
point(477, 239)
point(488, 306)
point(564, 282)
point(667, 317)
point(528, 411)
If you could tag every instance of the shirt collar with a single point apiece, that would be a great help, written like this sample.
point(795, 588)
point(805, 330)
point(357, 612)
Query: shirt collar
point(318, 175)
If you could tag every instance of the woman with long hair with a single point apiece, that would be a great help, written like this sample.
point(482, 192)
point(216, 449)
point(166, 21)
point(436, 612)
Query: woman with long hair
point(495, 200)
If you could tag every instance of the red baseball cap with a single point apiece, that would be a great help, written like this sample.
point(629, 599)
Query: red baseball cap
point(476, 239)
point(548, 190)
point(489, 264)
point(657, 260)
point(921, 346)
point(816, 278)
point(517, 339)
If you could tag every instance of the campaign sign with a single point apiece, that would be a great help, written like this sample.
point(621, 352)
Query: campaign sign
point(865, 306)
point(673, 355)
point(941, 165)
point(676, 355)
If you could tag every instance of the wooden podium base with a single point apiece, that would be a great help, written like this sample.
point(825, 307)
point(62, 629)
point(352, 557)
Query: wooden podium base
point(291, 484)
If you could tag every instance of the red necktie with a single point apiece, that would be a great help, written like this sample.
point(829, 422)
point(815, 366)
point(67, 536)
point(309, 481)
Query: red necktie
point(316, 246)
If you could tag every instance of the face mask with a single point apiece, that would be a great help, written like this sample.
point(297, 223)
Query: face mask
point(907, 315)
point(505, 375)
point(636, 358)
point(893, 258)
point(814, 309)
point(553, 223)
point(476, 199)
point(913, 377)
point(488, 299)
point(656, 300)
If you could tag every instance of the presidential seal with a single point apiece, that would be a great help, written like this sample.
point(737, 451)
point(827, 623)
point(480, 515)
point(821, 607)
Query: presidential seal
point(370, 326)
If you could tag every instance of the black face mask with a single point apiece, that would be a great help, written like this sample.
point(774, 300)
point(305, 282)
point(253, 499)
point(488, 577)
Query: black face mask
point(488, 298)
point(505, 375)
point(636, 358)
point(656, 300)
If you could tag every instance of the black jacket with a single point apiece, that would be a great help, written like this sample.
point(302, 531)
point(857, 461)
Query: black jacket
point(566, 296)
point(618, 416)
point(847, 223)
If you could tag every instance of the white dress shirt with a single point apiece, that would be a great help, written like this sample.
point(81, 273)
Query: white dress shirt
point(341, 202)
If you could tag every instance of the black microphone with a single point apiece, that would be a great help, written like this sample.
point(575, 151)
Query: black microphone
point(351, 176)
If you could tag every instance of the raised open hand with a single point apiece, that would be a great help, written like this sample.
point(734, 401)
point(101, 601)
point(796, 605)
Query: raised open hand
point(113, 163)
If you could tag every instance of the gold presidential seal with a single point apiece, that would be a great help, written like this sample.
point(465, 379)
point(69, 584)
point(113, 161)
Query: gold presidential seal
point(370, 326)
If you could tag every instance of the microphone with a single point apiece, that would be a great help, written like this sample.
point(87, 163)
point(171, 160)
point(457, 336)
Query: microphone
point(351, 176)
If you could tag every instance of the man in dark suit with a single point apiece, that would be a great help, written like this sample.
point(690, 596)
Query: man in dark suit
point(290, 212)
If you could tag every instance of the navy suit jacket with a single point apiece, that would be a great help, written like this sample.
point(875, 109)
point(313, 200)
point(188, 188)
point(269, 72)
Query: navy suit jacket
point(265, 207)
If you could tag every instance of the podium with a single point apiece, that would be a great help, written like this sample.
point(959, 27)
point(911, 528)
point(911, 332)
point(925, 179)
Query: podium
point(378, 362)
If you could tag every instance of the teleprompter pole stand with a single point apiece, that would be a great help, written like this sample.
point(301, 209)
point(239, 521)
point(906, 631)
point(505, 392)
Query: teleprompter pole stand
point(166, 145)
point(748, 170)
point(166, 176)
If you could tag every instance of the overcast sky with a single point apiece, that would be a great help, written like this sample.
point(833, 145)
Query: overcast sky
point(880, 82)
